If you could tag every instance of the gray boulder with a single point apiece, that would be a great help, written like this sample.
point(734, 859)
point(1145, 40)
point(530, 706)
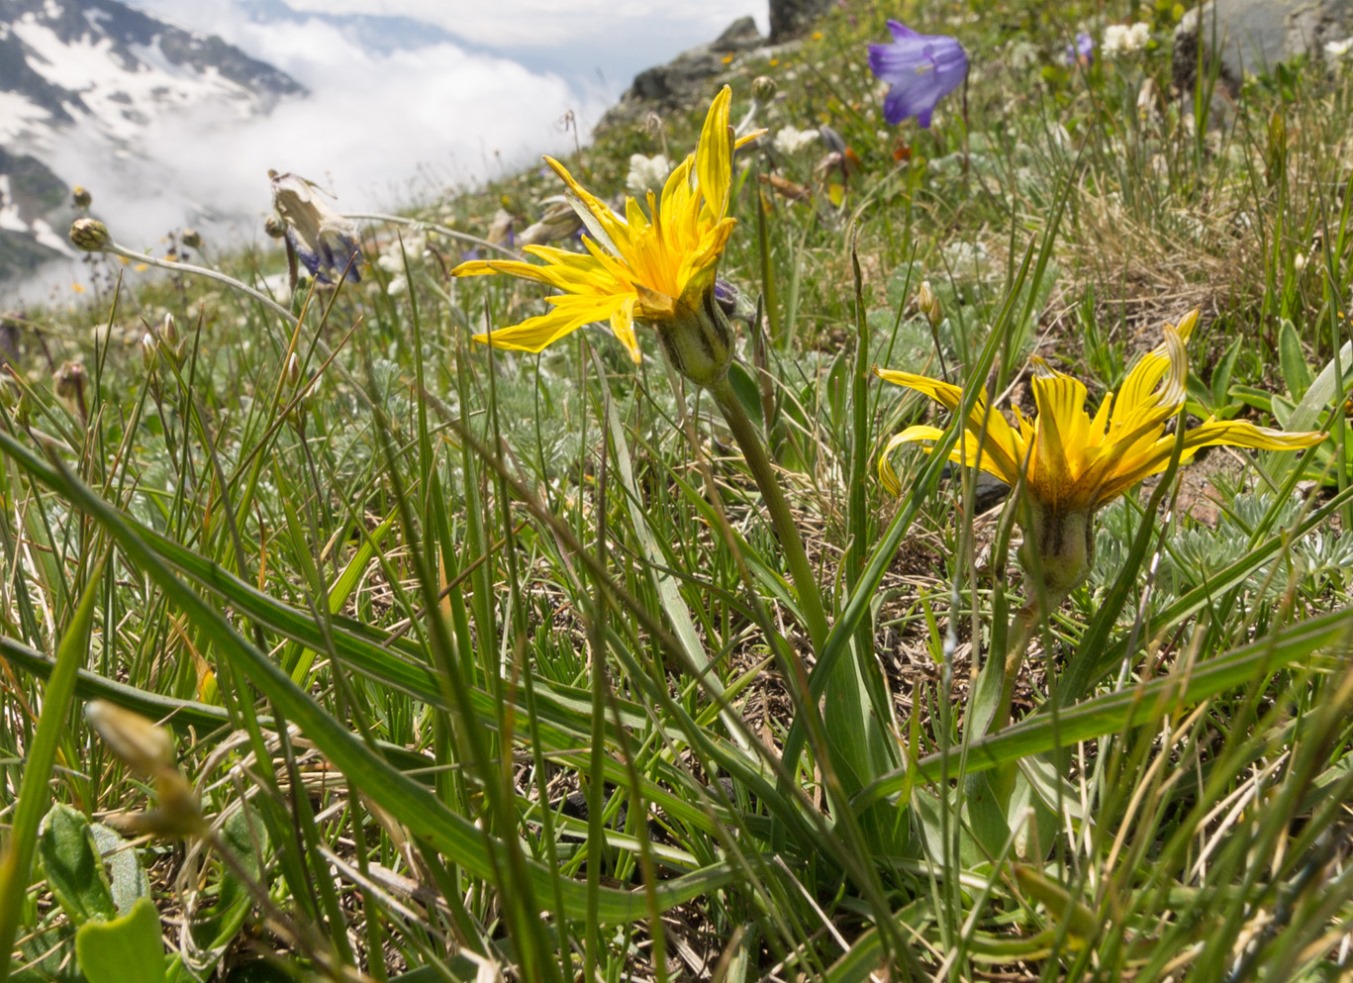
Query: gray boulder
point(790, 18)
point(685, 80)
point(1253, 36)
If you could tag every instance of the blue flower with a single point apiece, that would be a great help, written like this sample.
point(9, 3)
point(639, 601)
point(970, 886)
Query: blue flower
point(920, 69)
point(1082, 52)
point(324, 241)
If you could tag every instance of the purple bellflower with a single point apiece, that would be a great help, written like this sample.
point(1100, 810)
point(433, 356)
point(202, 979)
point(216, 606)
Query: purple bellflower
point(920, 70)
point(1082, 52)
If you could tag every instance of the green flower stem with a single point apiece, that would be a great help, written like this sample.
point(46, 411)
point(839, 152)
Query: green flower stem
point(1025, 622)
point(754, 453)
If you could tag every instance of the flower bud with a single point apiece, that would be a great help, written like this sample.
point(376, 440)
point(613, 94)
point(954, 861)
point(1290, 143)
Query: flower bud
point(191, 238)
point(80, 197)
point(929, 305)
point(148, 750)
point(274, 227)
point(294, 369)
point(70, 380)
point(90, 234)
point(763, 88)
point(169, 331)
point(143, 746)
point(150, 351)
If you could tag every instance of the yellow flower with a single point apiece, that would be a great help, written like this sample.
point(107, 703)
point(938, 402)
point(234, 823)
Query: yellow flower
point(657, 268)
point(1069, 463)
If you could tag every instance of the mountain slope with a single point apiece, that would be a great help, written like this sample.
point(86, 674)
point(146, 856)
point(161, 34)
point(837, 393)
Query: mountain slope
point(93, 74)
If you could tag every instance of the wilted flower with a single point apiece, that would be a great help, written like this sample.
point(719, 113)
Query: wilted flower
point(502, 230)
point(560, 221)
point(647, 174)
point(1082, 51)
point(790, 141)
point(1068, 463)
point(325, 241)
point(1120, 39)
point(657, 267)
point(920, 69)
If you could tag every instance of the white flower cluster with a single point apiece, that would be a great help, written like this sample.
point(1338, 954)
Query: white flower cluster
point(391, 260)
point(647, 174)
point(790, 141)
point(1120, 39)
point(1337, 50)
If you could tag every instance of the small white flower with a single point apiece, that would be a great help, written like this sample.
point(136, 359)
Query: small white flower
point(398, 285)
point(647, 174)
point(1299, 262)
point(790, 140)
point(1120, 39)
point(1338, 49)
point(1022, 55)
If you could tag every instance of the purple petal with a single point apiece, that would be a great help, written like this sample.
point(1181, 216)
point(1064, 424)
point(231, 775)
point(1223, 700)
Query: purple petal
point(901, 31)
point(919, 69)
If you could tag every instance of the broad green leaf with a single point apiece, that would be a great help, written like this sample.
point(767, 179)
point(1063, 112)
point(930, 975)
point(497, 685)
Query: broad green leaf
point(1332, 382)
point(74, 870)
point(127, 879)
point(128, 949)
point(1296, 373)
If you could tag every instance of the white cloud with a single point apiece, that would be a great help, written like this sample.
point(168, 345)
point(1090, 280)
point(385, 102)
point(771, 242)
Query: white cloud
point(379, 131)
point(603, 25)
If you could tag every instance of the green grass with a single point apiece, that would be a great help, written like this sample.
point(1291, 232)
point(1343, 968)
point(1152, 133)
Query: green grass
point(488, 662)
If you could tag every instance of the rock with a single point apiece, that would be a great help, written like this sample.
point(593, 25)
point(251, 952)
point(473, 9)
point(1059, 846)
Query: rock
point(1252, 36)
point(684, 80)
point(790, 18)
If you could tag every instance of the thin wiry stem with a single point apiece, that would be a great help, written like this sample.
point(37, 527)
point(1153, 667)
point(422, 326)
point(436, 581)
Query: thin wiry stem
point(120, 250)
point(439, 229)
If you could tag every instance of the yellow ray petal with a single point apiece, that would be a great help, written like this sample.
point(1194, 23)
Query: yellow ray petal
point(622, 326)
point(714, 157)
point(1001, 444)
point(1061, 435)
point(605, 225)
point(1211, 433)
point(568, 315)
point(568, 275)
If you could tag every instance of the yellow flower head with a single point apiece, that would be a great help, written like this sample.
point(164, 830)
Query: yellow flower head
point(657, 268)
point(1071, 463)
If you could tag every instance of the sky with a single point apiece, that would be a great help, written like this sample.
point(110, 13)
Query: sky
point(383, 131)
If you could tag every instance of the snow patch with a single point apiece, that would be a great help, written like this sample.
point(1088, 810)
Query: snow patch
point(19, 118)
point(48, 237)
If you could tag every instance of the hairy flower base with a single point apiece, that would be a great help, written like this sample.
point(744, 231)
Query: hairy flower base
point(1058, 548)
point(698, 342)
